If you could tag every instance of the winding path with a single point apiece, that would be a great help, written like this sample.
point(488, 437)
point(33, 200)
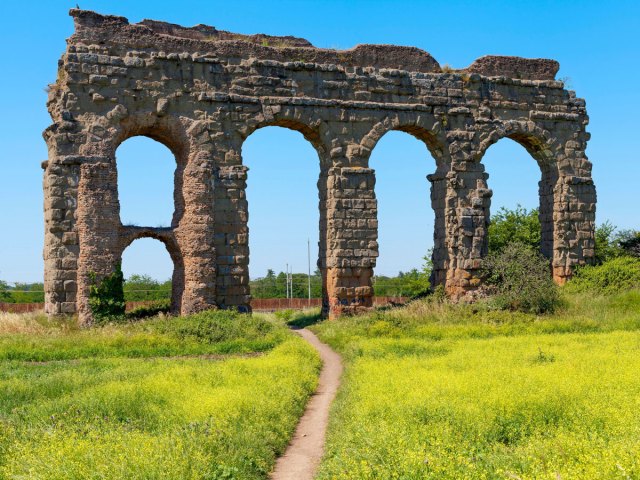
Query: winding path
point(302, 457)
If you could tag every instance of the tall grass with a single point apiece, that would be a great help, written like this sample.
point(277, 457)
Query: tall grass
point(464, 392)
point(112, 406)
point(34, 338)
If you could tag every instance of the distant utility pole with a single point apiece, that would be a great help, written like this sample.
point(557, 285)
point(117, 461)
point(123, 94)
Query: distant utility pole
point(287, 278)
point(309, 267)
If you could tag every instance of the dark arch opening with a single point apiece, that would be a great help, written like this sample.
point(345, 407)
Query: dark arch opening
point(280, 179)
point(406, 215)
point(149, 183)
point(520, 186)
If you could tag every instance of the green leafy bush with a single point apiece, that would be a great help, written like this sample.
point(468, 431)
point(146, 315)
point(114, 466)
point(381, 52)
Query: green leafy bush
point(152, 309)
point(106, 297)
point(630, 242)
point(214, 326)
point(521, 279)
point(284, 315)
point(611, 244)
point(5, 295)
point(619, 273)
point(606, 246)
point(517, 225)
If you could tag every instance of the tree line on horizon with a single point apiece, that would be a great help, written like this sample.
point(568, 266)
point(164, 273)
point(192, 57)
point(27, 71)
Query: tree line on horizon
point(507, 226)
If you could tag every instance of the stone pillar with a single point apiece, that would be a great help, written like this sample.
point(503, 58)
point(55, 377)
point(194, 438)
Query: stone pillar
point(466, 224)
point(98, 218)
point(440, 256)
point(351, 239)
point(61, 247)
point(546, 188)
point(195, 233)
point(323, 183)
point(574, 211)
point(231, 238)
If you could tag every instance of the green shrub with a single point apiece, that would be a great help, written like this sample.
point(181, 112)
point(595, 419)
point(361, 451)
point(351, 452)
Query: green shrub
point(213, 326)
point(630, 242)
point(106, 297)
point(517, 225)
point(620, 273)
point(5, 295)
point(521, 279)
point(284, 315)
point(606, 246)
point(152, 309)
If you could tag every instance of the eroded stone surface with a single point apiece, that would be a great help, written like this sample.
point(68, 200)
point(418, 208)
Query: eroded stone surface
point(202, 92)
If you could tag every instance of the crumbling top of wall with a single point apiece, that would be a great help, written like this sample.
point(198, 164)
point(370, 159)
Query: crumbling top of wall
point(94, 28)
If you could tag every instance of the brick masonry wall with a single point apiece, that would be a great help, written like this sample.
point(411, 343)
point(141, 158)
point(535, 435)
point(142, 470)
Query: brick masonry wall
point(203, 94)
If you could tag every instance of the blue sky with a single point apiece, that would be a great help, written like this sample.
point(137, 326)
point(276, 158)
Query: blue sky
point(596, 44)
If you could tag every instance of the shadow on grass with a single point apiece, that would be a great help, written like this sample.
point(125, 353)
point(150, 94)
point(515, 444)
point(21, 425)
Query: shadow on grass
point(305, 319)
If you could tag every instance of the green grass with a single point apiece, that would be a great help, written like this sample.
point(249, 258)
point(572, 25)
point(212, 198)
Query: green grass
point(148, 400)
point(220, 333)
point(464, 392)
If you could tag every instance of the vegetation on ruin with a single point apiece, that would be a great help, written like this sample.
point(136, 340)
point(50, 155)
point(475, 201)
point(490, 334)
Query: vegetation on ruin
point(106, 296)
point(435, 390)
point(156, 399)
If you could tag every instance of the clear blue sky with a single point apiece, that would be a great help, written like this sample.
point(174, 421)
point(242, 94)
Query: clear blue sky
point(596, 44)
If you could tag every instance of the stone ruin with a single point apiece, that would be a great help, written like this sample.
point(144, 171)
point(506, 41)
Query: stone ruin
point(201, 92)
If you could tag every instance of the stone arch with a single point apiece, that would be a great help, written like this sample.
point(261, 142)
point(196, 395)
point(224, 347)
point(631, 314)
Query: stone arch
point(313, 136)
point(341, 102)
point(429, 130)
point(164, 236)
point(536, 140)
point(297, 118)
point(425, 128)
point(145, 171)
point(167, 131)
point(539, 144)
point(433, 161)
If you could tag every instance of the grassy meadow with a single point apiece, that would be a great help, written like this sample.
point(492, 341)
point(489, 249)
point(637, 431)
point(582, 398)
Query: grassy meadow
point(431, 390)
point(442, 391)
point(212, 396)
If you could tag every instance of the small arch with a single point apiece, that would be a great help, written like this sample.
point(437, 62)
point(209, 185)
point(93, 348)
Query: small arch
point(135, 242)
point(168, 131)
point(165, 130)
point(147, 178)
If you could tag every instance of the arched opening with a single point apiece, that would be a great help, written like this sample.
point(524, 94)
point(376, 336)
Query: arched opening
point(146, 179)
point(152, 274)
point(522, 200)
point(406, 218)
point(283, 213)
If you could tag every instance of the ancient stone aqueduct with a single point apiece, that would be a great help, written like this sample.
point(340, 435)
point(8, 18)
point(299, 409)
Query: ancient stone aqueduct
point(202, 92)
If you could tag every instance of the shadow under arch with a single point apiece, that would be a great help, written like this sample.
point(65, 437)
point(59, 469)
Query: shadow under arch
point(536, 142)
point(165, 236)
point(312, 136)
